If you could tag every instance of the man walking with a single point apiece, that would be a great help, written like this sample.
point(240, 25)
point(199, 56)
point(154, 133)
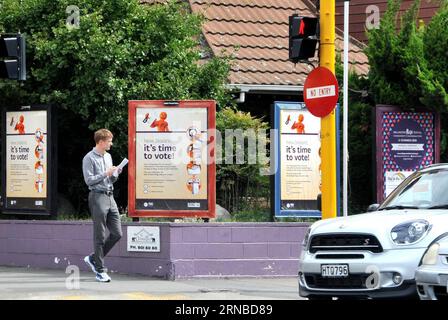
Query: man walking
point(99, 176)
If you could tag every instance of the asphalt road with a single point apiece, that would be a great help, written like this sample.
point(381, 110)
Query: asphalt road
point(34, 284)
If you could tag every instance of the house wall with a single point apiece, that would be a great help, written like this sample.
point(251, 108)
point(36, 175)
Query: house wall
point(358, 15)
point(187, 250)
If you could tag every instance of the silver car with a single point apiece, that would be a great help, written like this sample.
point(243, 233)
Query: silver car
point(376, 254)
point(432, 275)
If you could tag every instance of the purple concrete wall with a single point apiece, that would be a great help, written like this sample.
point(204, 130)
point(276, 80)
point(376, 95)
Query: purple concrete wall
point(187, 250)
point(236, 249)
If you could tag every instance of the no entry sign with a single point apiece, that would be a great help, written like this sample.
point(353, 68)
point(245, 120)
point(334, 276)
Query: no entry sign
point(321, 92)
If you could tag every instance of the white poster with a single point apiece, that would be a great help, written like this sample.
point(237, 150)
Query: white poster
point(144, 239)
point(300, 157)
point(26, 159)
point(171, 158)
point(393, 179)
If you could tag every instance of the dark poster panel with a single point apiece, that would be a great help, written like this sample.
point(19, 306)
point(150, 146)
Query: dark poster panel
point(28, 160)
point(406, 141)
point(171, 162)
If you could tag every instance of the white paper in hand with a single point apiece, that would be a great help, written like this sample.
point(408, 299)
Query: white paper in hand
point(123, 163)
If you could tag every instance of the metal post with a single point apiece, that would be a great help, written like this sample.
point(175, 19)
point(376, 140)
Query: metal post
point(345, 124)
point(328, 124)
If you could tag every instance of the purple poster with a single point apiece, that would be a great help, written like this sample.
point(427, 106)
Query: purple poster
point(406, 142)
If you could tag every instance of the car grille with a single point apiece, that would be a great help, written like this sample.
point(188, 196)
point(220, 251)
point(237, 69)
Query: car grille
point(354, 281)
point(339, 256)
point(326, 242)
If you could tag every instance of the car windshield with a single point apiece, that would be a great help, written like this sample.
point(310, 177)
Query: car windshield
point(424, 190)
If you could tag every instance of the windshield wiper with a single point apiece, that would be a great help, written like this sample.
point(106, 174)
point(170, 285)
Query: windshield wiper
point(442, 206)
point(399, 207)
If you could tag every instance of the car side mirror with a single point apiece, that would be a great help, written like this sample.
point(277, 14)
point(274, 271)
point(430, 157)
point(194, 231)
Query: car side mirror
point(373, 207)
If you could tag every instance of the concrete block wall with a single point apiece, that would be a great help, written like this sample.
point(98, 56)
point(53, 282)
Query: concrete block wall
point(236, 249)
point(187, 250)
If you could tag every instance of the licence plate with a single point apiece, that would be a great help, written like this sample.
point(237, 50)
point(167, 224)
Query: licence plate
point(334, 270)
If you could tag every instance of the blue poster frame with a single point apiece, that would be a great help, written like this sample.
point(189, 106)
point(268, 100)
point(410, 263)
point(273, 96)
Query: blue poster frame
point(278, 212)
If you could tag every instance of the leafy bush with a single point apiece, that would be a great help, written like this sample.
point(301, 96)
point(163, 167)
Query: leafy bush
point(407, 68)
point(240, 186)
point(121, 51)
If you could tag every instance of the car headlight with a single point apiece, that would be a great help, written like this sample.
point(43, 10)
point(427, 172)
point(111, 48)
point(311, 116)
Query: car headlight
point(410, 232)
point(306, 238)
point(430, 257)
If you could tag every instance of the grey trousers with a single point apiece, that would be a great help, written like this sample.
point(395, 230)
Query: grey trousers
point(105, 215)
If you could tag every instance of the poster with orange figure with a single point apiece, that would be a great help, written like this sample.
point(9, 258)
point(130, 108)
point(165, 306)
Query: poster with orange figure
point(171, 147)
point(299, 179)
point(26, 161)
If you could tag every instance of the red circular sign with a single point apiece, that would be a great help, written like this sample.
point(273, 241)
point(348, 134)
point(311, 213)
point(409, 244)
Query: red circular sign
point(321, 92)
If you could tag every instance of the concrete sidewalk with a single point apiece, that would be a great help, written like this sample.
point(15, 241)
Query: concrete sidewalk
point(34, 284)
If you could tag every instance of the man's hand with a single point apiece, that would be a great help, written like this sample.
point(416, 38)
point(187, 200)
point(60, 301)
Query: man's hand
point(110, 171)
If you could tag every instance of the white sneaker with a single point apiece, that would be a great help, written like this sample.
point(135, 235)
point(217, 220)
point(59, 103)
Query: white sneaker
point(90, 263)
point(102, 277)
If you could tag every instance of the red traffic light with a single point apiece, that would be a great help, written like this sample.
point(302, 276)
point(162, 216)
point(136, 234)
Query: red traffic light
point(302, 28)
point(303, 37)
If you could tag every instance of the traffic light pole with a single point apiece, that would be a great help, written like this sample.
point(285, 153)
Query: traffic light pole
point(328, 124)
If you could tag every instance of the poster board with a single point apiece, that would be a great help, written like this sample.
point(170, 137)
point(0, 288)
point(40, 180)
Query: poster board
point(298, 177)
point(406, 141)
point(172, 172)
point(28, 161)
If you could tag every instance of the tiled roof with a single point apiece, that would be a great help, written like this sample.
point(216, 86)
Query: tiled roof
point(255, 32)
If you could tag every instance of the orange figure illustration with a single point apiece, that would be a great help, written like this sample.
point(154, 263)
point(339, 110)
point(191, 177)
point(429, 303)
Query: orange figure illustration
point(39, 151)
point(194, 184)
point(39, 167)
point(20, 126)
point(39, 136)
point(194, 134)
point(161, 124)
point(194, 150)
point(190, 150)
point(193, 168)
point(39, 185)
point(299, 126)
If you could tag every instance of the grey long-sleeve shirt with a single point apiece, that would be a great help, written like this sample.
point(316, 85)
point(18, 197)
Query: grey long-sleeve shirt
point(94, 167)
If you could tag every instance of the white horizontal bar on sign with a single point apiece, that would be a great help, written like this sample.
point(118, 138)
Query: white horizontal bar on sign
point(407, 146)
point(321, 92)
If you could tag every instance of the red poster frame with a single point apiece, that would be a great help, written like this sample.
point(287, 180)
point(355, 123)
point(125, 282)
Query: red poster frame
point(210, 105)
